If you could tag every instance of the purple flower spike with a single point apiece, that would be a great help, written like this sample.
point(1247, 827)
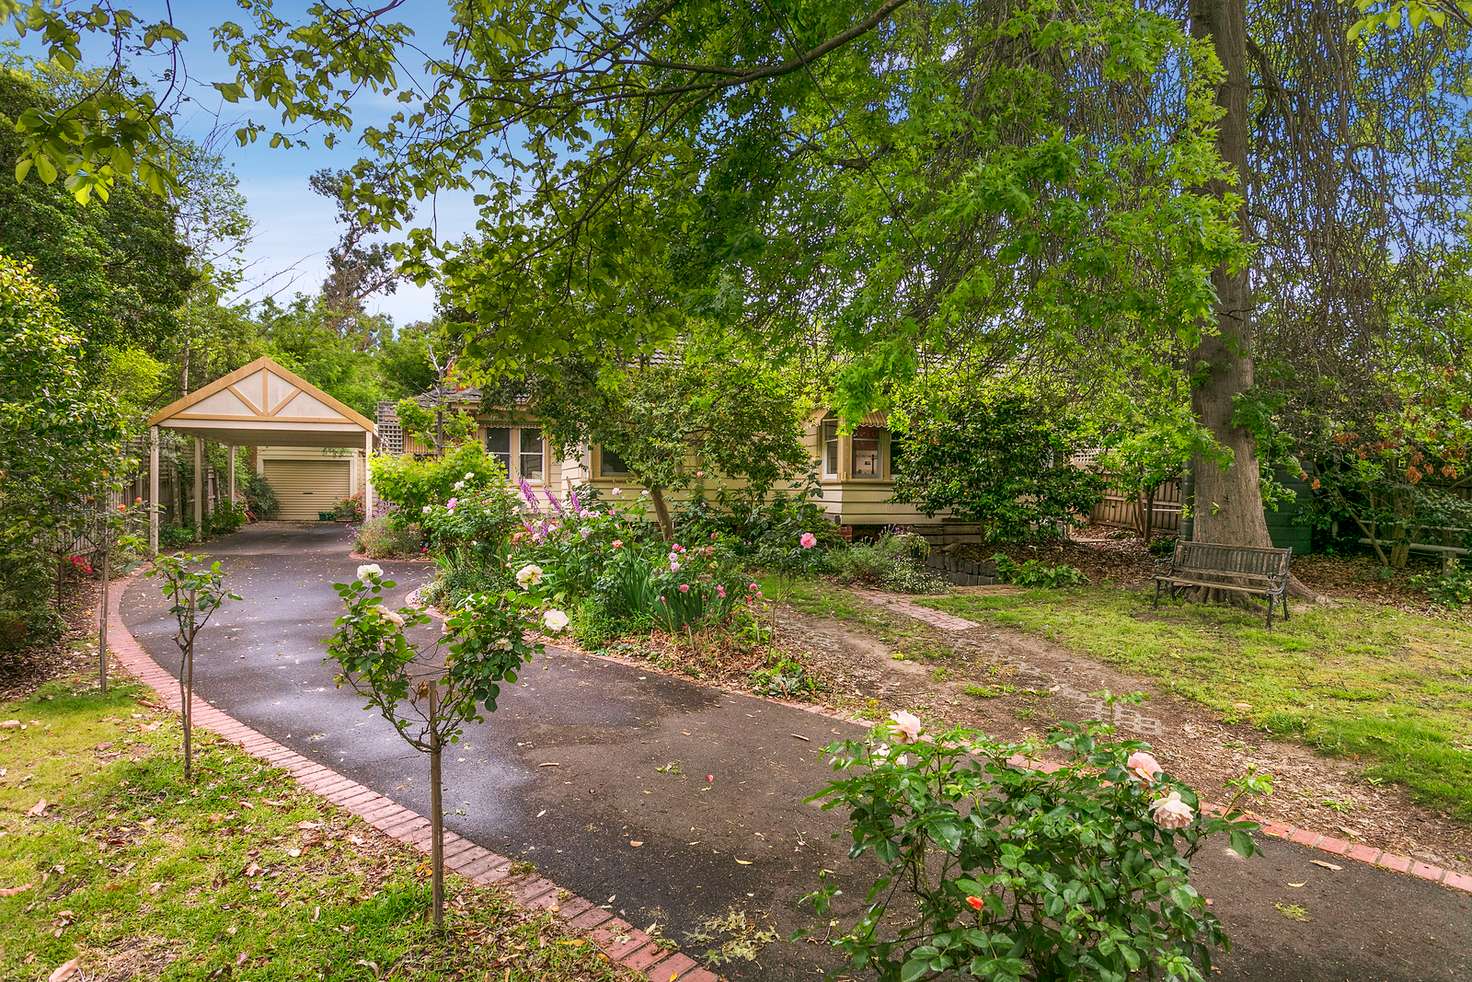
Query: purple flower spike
point(528, 493)
point(552, 500)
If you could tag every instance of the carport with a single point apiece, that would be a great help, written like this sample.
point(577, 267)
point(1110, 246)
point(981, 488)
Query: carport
point(257, 405)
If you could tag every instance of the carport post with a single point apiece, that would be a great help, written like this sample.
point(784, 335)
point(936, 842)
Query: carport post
point(231, 469)
point(153, 490)
point(198, 488)
point(367, 476)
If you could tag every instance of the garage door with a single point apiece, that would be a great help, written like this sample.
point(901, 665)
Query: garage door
point(306, 487)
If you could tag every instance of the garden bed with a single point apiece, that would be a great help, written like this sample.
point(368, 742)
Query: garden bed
point(239, 875)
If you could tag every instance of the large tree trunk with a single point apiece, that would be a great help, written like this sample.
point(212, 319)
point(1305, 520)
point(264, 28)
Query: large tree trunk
point(1227, 504)
point(662, 513)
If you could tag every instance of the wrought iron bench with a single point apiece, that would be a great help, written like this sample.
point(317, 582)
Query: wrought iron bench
point(1236, 569)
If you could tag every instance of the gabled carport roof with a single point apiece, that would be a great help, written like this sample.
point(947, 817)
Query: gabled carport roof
point(263, 404)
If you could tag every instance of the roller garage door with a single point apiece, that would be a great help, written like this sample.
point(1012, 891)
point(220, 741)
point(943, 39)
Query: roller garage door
point(306, 487)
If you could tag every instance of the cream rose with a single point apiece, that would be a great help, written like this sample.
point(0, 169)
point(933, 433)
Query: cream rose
point(906, 726)
point(1171, 812)
point(555, 621)
point(369, 569)
point(529, 576)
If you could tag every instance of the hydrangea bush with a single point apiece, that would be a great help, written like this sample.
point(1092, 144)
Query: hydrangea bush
point(998, 870)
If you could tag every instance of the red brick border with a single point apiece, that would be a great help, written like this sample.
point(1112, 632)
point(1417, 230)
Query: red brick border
point(624, 944)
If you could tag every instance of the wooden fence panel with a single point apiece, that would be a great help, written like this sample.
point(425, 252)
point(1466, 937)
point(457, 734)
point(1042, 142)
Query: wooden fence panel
point(1120, 509)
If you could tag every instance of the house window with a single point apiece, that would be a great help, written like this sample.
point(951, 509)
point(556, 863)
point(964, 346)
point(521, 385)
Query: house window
point(498, 445)
point(830, 448)
point(531, 453)
point(611, 464)
point(867, 447)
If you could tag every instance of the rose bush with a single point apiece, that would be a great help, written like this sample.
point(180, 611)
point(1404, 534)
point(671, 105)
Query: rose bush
point(1001, 871)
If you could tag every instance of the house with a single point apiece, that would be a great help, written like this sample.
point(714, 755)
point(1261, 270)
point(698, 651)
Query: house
point(855, 469)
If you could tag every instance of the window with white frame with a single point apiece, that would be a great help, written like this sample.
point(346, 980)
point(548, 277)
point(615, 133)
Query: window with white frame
point(830, 448)
point(531, 453)
point(520, 449)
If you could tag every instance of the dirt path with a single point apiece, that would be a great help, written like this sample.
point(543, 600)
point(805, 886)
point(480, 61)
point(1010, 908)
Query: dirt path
point(1011, 684)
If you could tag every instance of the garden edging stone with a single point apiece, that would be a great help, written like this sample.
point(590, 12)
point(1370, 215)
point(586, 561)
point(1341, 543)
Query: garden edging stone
point(624, 944)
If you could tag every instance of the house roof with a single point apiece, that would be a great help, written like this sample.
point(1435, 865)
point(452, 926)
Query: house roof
point(263, 403)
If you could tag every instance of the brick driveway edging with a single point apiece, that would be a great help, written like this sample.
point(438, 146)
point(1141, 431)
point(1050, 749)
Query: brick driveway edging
point(624, 944)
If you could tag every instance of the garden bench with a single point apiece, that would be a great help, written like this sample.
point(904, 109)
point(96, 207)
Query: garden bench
point(1236, 569)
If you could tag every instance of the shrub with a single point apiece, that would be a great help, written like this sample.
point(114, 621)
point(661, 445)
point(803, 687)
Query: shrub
point(171, 537)
point(786, 678)
point(476, 516)
point(1033, 572)
point(411, 483)
point(895, 561)
point(1005, 872)
point(225, 518)
point(349, 509)
point(762, 523)
point(380, 538)
point(1452, 587)
point(260, 497)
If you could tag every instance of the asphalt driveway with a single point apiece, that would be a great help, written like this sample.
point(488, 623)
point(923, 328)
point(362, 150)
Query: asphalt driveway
point(596, 772)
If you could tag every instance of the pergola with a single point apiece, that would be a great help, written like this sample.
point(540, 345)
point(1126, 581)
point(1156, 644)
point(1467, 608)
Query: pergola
point(260, 404)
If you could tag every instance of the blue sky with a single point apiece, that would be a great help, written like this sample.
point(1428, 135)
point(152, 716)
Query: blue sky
point(294, 228)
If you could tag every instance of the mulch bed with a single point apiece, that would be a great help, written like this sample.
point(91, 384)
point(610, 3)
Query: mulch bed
point(22, 670)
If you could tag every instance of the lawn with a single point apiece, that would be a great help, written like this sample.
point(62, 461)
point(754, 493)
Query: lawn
point(241, 875)
point(1391, 688)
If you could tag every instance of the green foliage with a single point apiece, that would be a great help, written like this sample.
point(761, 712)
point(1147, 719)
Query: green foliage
point(436, 426)
point(1034, 572)
point(895, 561)
point(415, 485)
point(1010, 873)
point(260, 497)
point(61, 439)
point(1452, 587)
point(763, 522)
point(710, 413)
point(784, 678)
point(225, 518)
point(383, 538)
point(1001, 459)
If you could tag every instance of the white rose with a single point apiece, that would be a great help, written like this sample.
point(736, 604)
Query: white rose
point(426, 509)
point(369, 569)
point(906, 726)
point(503, 644)
point(470, 475)
point(554, 620)
point(1171, 812)
point(529, 576)
point(458, 485)
point(392, 616)
point(616, 492)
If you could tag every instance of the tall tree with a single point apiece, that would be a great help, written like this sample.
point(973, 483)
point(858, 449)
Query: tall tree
point(357, 268)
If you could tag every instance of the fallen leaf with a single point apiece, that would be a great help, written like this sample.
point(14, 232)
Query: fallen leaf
point(636, 843)
point(38, 809)
point(241, 958)
point(1296, 885)
point(293, 853)
point(254, 869)
point(1320, 862)
point(799, 736)
point(12, 891)
point(550, 763)
point(10, 724)
point(743, 862)
point(65, 971)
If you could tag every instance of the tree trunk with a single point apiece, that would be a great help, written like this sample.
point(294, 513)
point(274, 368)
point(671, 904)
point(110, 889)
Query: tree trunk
point(662, 514)
point(102, 617)
point(436, 814)
point(1228, 499)
point(186, 694)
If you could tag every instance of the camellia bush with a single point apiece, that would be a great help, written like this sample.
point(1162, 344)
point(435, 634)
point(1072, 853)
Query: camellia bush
point(998, 870)
point(410, 484)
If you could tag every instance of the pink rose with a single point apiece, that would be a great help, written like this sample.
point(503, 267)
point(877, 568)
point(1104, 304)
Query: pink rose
point(1143, 767)
point(452, 503)
point(618, 543)
point(684, 588)
point(905, 726)
point(808, 540)
point(720, 591)
point(1171, 812)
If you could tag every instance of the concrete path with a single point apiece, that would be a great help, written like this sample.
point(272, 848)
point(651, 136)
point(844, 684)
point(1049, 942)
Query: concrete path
point(568, 776)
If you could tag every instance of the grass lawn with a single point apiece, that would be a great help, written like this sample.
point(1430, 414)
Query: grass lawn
point(1349, 678)
point(821, 598)
point(241, 875)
